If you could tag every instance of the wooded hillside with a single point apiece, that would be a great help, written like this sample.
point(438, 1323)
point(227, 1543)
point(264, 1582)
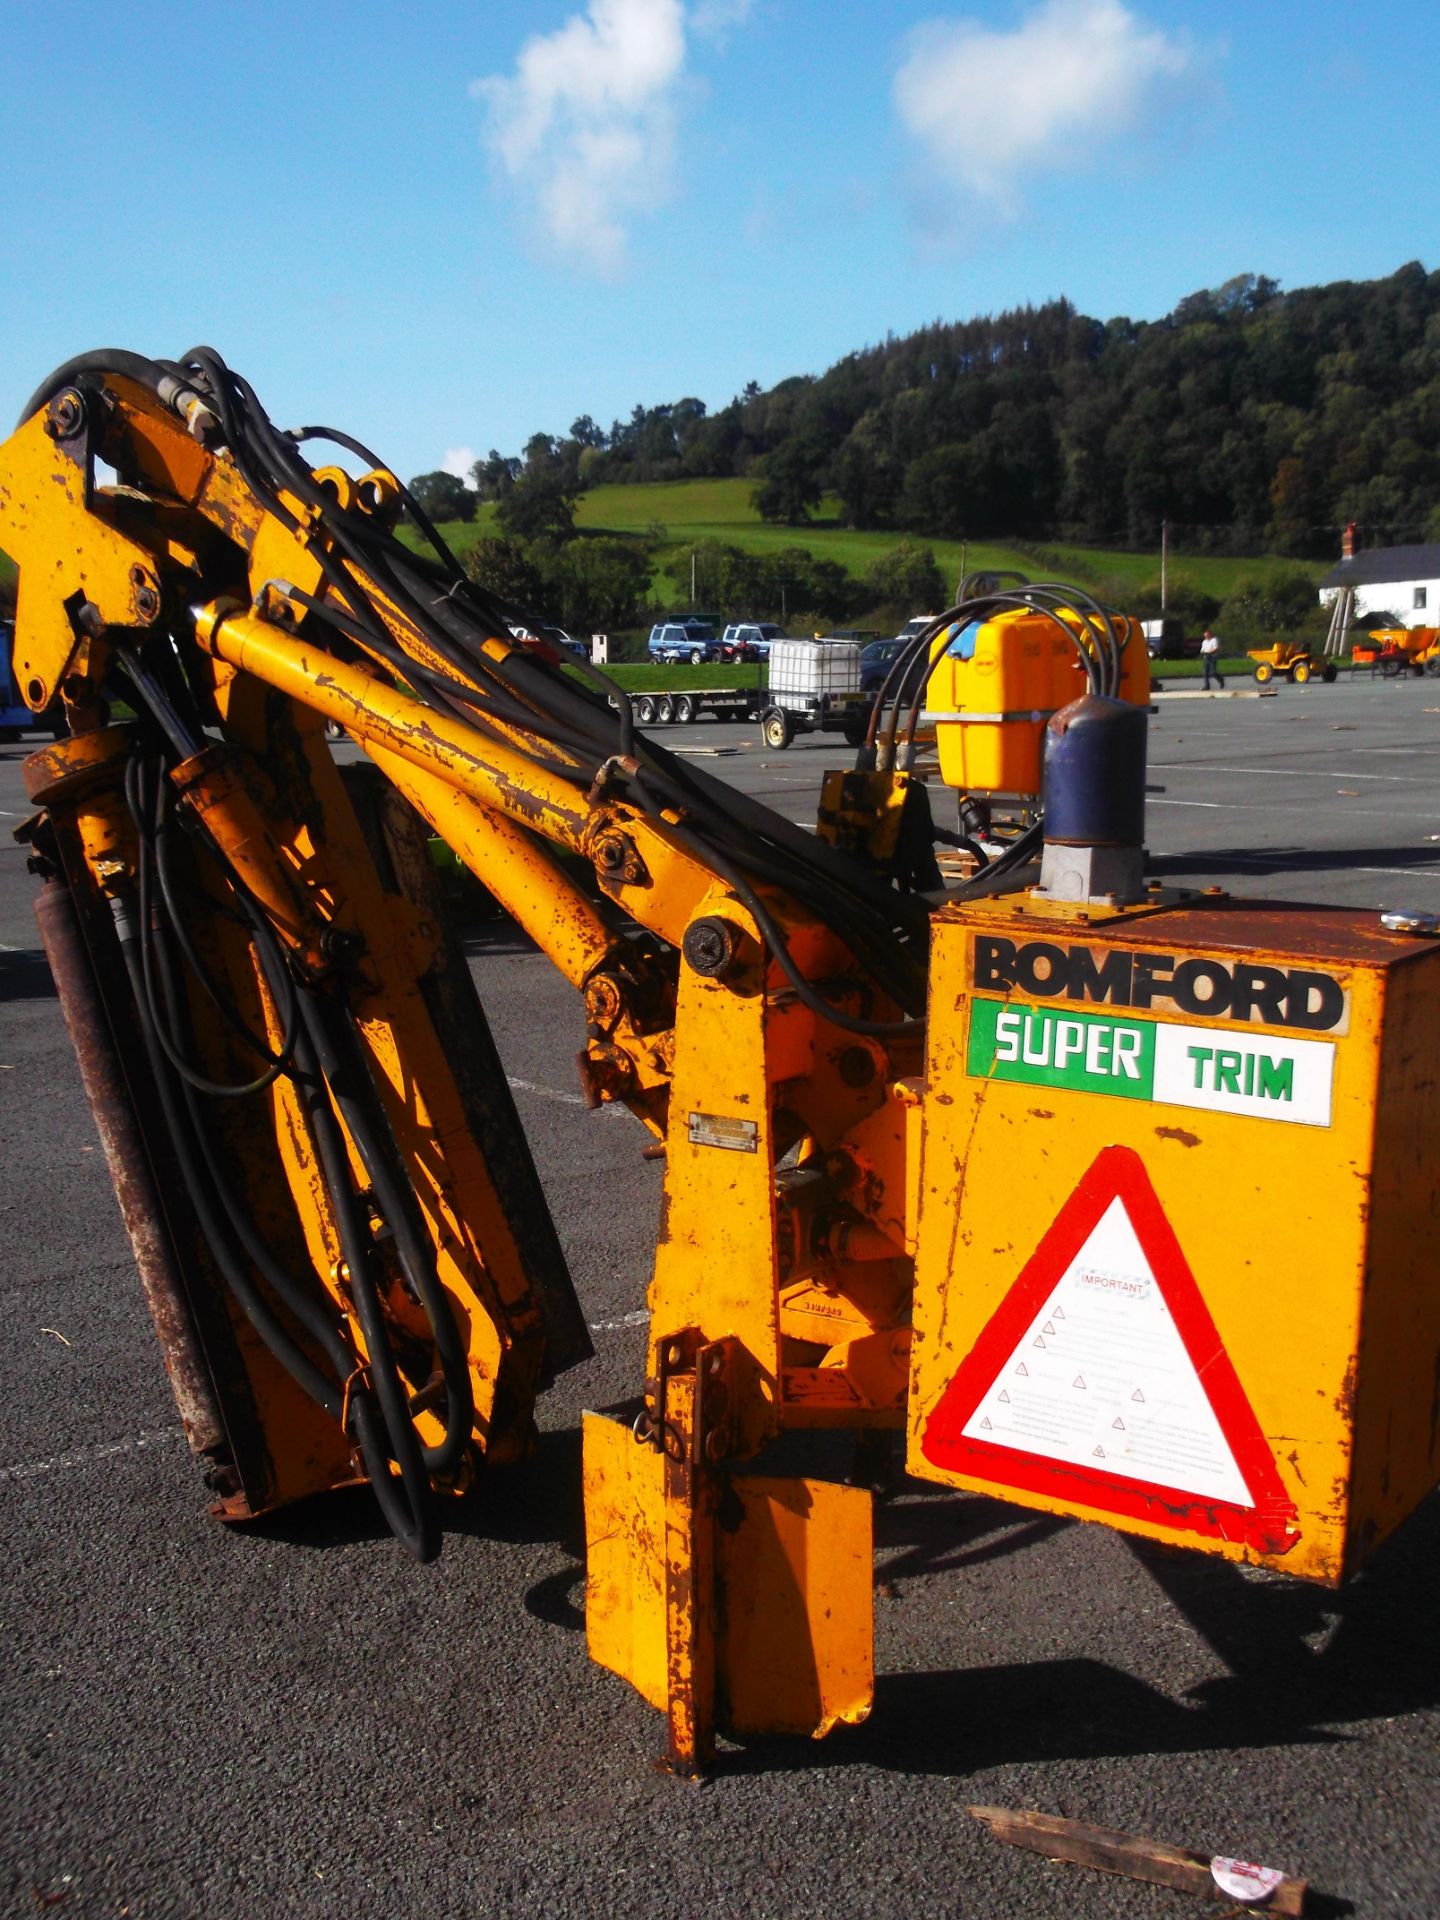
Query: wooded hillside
point(1249, 418)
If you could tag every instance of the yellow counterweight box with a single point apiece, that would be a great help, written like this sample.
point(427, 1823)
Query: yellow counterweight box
point(1179, 1247)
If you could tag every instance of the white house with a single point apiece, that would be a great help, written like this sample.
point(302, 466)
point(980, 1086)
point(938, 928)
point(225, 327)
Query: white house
point(1403, 581)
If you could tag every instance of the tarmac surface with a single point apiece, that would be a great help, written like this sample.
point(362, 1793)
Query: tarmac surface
point(296, 1719)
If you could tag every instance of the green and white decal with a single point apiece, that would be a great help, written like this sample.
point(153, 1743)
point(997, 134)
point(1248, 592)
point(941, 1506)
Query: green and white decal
point(1221, 1069)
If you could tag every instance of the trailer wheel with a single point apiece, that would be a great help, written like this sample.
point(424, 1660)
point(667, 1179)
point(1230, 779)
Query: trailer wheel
point(664, 710)
point(1264, 673)
point(1300, 672)
point(775, 728)
point(684, 709)
point(854, 728)
point(1432, 665)
point(645, 710)
point(1329, 674)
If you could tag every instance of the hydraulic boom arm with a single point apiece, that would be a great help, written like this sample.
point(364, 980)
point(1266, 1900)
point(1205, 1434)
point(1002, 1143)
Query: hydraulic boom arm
point(939, 1159)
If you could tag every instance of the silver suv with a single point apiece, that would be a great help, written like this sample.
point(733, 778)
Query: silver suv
point(690, 640)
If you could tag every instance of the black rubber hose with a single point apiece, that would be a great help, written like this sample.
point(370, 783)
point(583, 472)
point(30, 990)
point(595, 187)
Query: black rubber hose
point(413, 1523)
point(416, 585)
point(163, 1028)
point(774, 941)
point(277, 975)
point(132, 366)
point(352, 1090)
point(189, 1143)
point(450, 613)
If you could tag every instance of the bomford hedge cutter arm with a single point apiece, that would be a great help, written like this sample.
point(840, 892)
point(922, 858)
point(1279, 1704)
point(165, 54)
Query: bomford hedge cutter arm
point(935, 1158)
point(338, 1224)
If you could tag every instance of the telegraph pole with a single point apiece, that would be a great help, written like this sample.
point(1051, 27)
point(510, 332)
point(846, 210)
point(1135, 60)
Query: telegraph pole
point(1164, 556)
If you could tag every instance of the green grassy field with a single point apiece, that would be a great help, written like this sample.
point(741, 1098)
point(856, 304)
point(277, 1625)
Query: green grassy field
point(682, 513)
point(648, 679)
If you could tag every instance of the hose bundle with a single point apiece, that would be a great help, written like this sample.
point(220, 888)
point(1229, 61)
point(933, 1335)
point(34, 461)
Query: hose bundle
point(577, 728)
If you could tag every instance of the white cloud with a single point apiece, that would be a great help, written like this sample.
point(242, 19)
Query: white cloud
point(585, 126)
point(713, 19)
point(992, 110)
point(459, 461)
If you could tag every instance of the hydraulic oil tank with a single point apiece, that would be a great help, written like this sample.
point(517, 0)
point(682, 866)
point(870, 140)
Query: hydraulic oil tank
point(998, 681)
point(1179, 1224)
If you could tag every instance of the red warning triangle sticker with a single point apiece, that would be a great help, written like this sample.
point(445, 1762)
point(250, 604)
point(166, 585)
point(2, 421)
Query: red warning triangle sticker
point(1112, 1271)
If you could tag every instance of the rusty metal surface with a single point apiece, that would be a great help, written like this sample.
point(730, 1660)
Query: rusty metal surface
point(129, 1166)
point(1220, 922)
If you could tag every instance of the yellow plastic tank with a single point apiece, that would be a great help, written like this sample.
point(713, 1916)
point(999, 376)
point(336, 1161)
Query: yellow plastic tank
point(997, 683)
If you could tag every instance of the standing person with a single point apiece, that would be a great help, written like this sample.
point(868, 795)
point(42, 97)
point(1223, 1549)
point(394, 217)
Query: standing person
point(1210, 655)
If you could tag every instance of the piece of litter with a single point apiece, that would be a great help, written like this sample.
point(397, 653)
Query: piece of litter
point(1348, 793)
point(1154, 1861)
point(1243, 1880)
point(57, 1333)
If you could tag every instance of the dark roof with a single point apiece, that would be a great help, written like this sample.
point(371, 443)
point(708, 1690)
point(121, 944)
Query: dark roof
point(1382, 564)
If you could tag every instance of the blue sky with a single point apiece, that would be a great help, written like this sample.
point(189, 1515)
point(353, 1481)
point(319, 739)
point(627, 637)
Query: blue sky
point(447, 229)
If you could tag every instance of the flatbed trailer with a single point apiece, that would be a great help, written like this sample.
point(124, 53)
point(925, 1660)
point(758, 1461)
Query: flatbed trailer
point(680, 705)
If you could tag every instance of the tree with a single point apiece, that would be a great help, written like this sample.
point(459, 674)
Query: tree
point(494, 475)
point(789, 483)
point(868, 476)
point(505, 568)
point(1283, 603)
point(540, 506)
point(597, 584)
point(443, 497)
point(907, 576)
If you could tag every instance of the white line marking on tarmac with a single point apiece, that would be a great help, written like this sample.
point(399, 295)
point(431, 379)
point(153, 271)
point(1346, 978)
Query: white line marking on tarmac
point(87, 1456)
point(1280, 773)
point(545, 1093)
point(611, 1108)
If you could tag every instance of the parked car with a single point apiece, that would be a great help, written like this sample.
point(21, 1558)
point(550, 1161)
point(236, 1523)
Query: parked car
point(1167, 640)
point(557, 636)
point(749, 639)
point(875, 663)
point(692, 640)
